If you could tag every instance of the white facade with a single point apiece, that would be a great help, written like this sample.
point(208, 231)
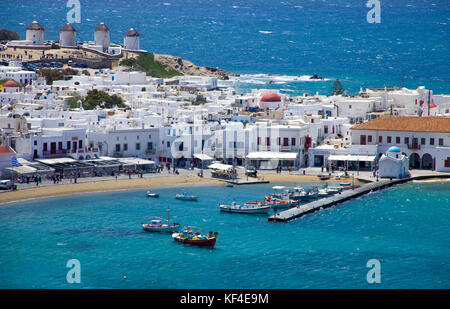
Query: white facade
point(131, 40)
point(102, 37)
point(393, 164)
point(35, 34)
point(67, 36)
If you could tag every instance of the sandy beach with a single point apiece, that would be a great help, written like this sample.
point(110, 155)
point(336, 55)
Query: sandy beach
point(135, 183)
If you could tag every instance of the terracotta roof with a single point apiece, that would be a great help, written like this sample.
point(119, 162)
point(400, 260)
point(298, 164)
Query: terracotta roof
point(102, 27)
point(132, 32)
point(68, 27)
point(35, 26)
point(406, 123)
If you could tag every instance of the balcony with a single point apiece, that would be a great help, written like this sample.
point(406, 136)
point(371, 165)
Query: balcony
point(150, 151)
point(285, 148)
point(264, 148)
point(414, 146)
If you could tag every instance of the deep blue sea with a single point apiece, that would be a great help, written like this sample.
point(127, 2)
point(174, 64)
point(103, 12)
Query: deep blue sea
point(332, 38)
point(405, 227)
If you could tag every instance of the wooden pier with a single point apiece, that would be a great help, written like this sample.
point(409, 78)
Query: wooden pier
point(345, 195)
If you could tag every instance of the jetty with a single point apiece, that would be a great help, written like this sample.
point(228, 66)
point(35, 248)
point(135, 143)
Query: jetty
point(344, 196)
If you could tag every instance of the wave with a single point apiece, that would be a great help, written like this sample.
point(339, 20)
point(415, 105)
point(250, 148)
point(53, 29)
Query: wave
point(260, 79)
point(265, 32)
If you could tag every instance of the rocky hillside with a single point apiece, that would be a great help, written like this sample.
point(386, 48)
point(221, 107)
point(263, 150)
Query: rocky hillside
point(188, 68)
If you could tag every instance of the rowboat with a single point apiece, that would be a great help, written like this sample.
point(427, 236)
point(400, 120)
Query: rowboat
point(188, 236)
point(351, 187)
point(343, 184)
point(246, 208)
point(323, 177)
point(186, 197)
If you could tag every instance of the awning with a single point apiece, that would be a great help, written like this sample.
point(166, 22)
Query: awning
point(351, 158)
point(219, 166)
point(22, 170)
point(202, 156)
point(272, 155)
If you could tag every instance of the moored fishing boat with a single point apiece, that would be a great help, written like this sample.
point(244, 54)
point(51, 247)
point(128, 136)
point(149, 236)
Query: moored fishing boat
point(186, 197)
point(246, 208)
point(190, 237)
point(158, 224)
point(343, 184)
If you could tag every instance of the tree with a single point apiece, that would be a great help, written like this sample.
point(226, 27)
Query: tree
point(337, 88)
point(8, 35)
point(100, 98)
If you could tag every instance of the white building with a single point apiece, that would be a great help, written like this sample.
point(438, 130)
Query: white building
point(393, 164)
point(35, 34)
point(68, 36)
point(102, 37)
point(425, 140)
point(131, 40)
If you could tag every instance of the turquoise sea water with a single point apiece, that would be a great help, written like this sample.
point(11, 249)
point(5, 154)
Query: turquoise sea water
point(405, 227)
point(409, 48)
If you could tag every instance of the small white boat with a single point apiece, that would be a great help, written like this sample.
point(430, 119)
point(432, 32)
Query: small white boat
point(186, 197)
point(246, 209)
point(157, 225)
point(149, 194)
point(322, 192)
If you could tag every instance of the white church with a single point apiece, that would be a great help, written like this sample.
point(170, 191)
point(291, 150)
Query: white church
point(393, 164)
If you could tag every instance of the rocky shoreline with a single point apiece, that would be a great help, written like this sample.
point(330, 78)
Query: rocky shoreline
point(186, 67)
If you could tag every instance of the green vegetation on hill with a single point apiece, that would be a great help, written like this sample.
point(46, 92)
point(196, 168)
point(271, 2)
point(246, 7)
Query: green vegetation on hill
point(8, 35)
point(53, 74)
point(147, 64)
point(96, 98)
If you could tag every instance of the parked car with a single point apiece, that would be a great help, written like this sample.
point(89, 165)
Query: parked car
point(6, 184)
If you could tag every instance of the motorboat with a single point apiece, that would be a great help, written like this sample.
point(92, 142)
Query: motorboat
point(351, 187)
point(246, 208)
point(324, 177)
point(191, 237)
point(150, 194)
point(186, 197)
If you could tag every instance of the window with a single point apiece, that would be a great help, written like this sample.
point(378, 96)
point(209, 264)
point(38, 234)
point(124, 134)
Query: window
point(389, 139)
point(447, 162)
point(369, 138)
point(68, 145)
point(441, 142)
point(80, 144)
point(293, 141)
point(149, 145)
point(431, 141)
point(325, 129)
point(125, 147)
point(149, 137)
point(259, 140)
point(349, 107)
point(268, 141)
point(168, 144)
point(362, 139)
point(380, 139)
point(406, 140)
point(422, 141)
point(44, 147)
point(397, 140)
point(138, 146)
point(138, 137)
point(35, 143)
point(60, 145)
point(118, 147)
point(286, 141)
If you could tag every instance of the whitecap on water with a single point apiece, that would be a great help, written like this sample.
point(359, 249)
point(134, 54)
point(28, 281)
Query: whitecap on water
point(265, 32)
